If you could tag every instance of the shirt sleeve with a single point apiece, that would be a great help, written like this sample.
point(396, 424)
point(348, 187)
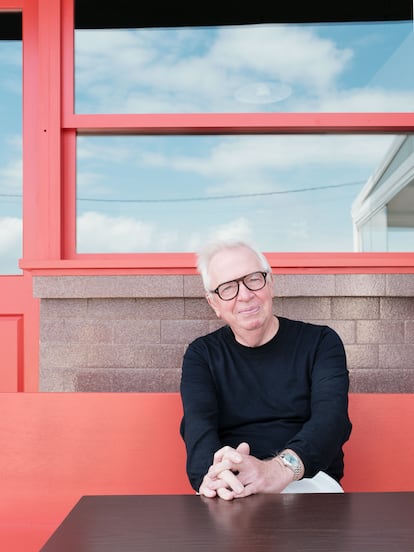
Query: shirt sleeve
point(199, 424)
point(322, 436)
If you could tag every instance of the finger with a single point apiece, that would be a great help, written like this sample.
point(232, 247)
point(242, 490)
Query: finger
point(247, 491)
point(230, 455)
point(207, 487)
point(225, 493)
point(212, 484)
point(219, 454)
point(231, 481)
point(243, 448)
point(205, 491)
point(215, 469)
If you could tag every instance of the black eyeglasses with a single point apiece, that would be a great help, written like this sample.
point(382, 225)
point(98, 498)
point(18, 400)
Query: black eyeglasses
point(229, 290)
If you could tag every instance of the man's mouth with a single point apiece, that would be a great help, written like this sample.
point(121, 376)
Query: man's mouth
point(250, 310)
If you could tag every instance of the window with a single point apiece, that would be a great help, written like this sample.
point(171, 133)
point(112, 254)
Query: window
point(10, 146)
point(291, 193)
point(325, 67)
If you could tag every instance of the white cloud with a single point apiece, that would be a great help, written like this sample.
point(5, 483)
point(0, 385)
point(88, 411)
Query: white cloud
point(369, 99)
point(103, 233)
point(110, 234)
point(239, 228)
point(230, 164)
point(165, 71)
point(117, 151)
point(10, 244)
point(283, 53)
point(11, 167)
point(11, 176)
point(236, 155)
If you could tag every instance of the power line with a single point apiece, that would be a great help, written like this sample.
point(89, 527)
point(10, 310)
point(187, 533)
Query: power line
point(217, 198)
point(210, 198)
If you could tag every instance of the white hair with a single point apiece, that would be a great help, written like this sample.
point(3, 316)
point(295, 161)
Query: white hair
point(212, 248)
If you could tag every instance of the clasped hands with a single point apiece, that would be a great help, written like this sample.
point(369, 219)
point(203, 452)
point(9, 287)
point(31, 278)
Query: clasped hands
point(235, 473)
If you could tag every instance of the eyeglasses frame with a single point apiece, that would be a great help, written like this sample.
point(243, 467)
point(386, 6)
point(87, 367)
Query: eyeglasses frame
point(264, 273)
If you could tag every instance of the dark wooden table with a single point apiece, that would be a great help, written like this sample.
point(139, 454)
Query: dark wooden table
point(349, 522)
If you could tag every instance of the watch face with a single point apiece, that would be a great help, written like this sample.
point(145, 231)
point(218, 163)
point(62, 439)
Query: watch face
point(290, 459)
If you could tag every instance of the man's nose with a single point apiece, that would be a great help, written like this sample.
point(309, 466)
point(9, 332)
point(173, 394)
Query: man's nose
point(244, 292)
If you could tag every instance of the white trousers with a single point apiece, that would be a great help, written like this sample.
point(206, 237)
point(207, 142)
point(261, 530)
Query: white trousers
point(320, 483)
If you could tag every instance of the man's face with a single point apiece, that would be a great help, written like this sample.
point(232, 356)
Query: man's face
point(249, 310)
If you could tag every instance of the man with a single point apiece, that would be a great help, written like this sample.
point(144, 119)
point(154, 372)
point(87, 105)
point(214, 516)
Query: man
point(265, 398)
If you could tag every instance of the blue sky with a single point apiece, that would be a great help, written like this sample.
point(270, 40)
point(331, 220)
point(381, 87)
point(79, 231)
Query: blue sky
point(288, 193)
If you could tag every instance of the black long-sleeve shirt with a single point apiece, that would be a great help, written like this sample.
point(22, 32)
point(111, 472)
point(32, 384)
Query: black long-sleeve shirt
point(291, 392)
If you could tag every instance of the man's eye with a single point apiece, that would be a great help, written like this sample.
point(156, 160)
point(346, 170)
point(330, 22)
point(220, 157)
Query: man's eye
point(227, 288)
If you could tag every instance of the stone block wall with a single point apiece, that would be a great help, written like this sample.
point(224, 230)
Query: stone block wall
point(129, 333)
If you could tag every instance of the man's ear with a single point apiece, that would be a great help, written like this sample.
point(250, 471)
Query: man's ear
point(211, 302)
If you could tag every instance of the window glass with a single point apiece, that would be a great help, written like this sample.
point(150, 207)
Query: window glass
point(10, 156)
point(329, 67)
point(298, 193)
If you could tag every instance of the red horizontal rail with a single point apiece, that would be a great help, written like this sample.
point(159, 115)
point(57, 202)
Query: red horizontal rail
point(240, 123)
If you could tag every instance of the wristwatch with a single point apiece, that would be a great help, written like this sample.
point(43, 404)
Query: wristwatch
point(293, 462)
